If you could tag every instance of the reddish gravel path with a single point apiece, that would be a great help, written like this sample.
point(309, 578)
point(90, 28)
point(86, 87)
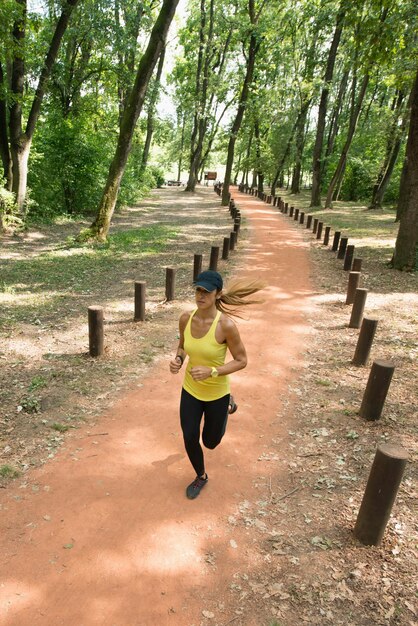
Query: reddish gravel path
point(104, 535)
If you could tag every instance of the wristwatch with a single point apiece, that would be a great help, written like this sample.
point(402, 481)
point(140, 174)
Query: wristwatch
point(214, 373)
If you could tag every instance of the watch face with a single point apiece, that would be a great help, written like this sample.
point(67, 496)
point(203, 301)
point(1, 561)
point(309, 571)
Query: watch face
point(214, 372)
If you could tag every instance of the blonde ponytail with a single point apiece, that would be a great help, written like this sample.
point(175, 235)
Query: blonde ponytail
point(236, 295)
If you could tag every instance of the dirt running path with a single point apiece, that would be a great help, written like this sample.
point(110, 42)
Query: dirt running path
point(104, 535)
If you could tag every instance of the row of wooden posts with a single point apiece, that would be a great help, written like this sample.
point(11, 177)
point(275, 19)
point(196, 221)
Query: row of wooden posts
point(390, 459)
point(96, 313)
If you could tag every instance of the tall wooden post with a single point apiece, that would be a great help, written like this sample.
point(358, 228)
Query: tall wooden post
point(225, 249)
point(140, 290)
point(336, 241)
point(376, 390)
point(197, 265)
point(170, 282)
point(358, 308)
point(353, 283)
point(364, 341)
point(96, 332)
point(380, 494)
point(214, 256)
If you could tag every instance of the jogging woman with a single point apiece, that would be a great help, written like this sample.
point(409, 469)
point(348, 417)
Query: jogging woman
point(205, 335)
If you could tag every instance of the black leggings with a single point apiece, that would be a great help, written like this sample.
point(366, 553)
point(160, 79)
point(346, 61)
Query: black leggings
point(216, 417)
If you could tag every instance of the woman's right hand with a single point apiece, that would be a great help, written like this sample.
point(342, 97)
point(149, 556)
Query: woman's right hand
point(175, 365)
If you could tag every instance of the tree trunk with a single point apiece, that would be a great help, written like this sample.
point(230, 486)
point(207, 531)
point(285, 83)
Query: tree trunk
point(278, 178)
point(151, 114)
point(322, 112)
point(20, 142)
point(180, 163)
point(392, 151)
point(405, 256)
point(100, 226)
point(334, 124)
point(4, 138)
point(242, 104)
point(300, 143)
point(355, 114)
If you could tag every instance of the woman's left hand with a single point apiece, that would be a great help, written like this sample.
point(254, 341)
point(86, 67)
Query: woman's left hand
point(201, 372)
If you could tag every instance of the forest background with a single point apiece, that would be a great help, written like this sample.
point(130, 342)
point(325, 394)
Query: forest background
point(298, 95)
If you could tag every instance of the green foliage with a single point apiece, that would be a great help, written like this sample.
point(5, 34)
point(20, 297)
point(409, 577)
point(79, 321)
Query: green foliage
point(8, 210)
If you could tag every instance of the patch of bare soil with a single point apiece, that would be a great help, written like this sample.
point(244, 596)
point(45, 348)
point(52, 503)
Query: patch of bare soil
point(48, 384)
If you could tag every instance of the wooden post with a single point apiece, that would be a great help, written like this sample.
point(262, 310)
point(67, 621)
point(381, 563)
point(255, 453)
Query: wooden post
point(197, 265)
point(315, 225)
point(358, 308)
point(302, 217)
point(353, 283)
point(308, 221)
point(96, 333)
point(336, 240)
point(225, 248)
point(296, 215)
point(319, 230)
point(357, 265)
point(292, 208)
point(342, 248)
point(232, 240)
point(140, 290)
point(236, 229)
point(348, 259)
point(214, 256)
point(326, 236)
point(382, 487)
point(376, 390)
point(170, 283)
point(364, 341)
point(286, 207)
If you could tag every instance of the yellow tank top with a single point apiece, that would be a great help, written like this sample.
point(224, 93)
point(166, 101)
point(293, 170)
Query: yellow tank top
point(205, 351)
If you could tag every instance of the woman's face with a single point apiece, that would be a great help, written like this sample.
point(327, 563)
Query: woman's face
point(205, 299)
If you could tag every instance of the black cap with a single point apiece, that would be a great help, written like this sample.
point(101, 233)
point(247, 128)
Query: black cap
point(209, 281)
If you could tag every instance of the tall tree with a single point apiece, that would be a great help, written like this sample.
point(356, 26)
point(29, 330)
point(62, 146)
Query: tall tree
point(100, 226)
point(253, 48)
point(19, 138)
point(405, 256)
point(322, 111)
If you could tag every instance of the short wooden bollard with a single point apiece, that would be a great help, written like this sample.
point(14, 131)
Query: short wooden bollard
point(139, 309)
point(214, 256)
point(286, 207)
point(236, 228)
point(197, 265)
point(357, 265)
point(315, 225)
point(319, 230)
point(225, 249)
point(381, 490)
point(170, 283)
point(376, 390)
point(232, 240)
point(326, 236)
point(364, 341)
point(291, 210)
point(358, 308)
point(308, 221)
point(336, 241)
point(302, 217)
point(96, 333)
point(342, 248)
point(348, 259)
point(353, 283)
point(296, 215)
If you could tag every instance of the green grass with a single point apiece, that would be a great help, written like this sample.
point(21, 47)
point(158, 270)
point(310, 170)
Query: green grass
point(7, 471)
point(55, 279)
point(61, 428)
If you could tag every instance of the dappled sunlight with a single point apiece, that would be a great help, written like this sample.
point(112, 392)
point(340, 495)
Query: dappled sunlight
point(16, 595)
